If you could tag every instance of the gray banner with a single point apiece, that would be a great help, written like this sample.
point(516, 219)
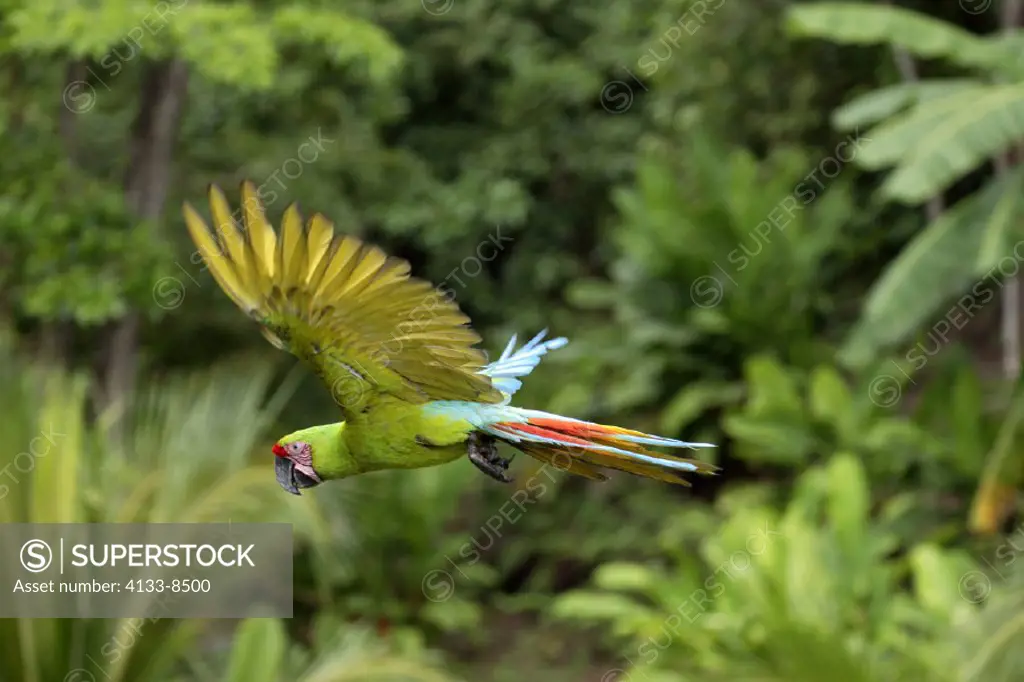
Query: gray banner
point(137, 570)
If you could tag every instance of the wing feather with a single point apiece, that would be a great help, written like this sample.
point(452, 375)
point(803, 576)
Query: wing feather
point(261, 235)
point(209, 249)
point(345, 307)
point(318, 244)
point(291, 250)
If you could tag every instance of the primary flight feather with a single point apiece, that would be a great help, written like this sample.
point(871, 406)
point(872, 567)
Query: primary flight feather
point(399, 358)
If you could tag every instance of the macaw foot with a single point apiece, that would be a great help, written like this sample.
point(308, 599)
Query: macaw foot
point(483, 453)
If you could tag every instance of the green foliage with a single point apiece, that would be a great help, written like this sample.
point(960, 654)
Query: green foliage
point(77, 252)
point(931, 134)
point(681, 188)
point(260, 653)
point(791, 418)
point(1002, 474)
point(697, 285)
point(236, 43)
point(923, 36)
point(162, 474)
point(412, 515)
point(962, 250)
point(80, 262)
point(774, 596)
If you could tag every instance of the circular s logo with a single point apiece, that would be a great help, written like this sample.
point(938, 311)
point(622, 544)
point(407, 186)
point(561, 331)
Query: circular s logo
point(36, 556)
point(438, 585)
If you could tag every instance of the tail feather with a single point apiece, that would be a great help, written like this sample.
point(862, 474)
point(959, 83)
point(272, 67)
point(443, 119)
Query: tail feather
point(552, 456)
point(547, 437)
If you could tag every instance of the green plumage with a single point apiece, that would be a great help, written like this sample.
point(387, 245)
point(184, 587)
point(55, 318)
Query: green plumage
point(398, 357)
point(382, 342)
point(411, 439)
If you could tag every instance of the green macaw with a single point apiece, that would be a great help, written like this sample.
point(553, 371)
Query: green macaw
point(399, 358)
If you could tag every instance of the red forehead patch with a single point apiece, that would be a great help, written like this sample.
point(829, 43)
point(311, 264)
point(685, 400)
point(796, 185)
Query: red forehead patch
point(278, 450)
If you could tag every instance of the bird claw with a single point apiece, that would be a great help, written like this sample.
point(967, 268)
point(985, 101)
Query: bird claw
point(483, 453)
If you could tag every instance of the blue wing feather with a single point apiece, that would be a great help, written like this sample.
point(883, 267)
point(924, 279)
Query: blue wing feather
point(506, 371)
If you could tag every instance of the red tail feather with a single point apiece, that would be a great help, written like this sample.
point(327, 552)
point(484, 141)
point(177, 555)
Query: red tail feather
point(590, 445)
point(537, 430)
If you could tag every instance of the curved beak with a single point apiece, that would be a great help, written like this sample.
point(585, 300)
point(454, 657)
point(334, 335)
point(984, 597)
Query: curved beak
point(290, 478)
point(285, 470)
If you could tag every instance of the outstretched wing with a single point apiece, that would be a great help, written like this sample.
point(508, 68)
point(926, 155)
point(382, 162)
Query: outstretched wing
point(344, 307)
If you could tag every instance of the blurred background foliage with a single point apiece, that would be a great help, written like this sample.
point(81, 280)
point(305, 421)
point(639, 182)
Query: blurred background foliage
point(789, 228)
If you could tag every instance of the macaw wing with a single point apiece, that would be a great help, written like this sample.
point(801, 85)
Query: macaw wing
point(349, 311)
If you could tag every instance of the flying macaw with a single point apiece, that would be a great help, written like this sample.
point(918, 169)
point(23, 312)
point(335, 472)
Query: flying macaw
point(400, 360)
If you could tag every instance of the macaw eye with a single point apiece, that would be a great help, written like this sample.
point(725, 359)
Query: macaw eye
point(293, 448)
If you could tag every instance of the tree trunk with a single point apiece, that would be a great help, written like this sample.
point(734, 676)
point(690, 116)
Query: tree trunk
point(996, 497)
point(146, 182)
point(56, 337)
point(1010, 20)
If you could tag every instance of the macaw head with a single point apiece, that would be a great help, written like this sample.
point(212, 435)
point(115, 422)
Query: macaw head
point(308, 457)
point(294, 466)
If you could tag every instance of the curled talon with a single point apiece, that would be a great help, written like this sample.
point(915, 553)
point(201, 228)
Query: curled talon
point(483, 453)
